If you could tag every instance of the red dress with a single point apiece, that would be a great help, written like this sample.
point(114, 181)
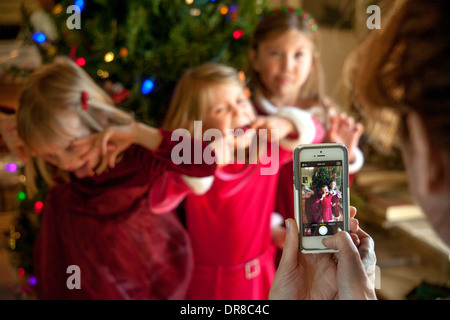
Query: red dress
point(104, 226)
point(229, 227)
point(325, 207)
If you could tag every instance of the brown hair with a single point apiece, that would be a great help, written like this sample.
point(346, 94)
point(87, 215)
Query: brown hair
point(404, 67)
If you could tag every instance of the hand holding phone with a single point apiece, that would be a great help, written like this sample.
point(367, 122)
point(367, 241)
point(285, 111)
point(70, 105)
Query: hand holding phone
point(322, 215)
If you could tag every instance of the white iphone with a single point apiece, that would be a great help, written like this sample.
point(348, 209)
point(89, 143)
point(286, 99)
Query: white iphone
point(321, 194)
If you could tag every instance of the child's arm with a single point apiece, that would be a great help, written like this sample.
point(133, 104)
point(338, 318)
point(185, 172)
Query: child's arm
point(295, 127)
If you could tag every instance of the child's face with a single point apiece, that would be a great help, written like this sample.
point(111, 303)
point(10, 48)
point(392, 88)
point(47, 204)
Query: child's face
point(332, 185)
point(284, 63)
point(69, 158)
point(231, 109)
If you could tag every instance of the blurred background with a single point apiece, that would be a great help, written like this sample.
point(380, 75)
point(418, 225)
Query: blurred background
point(136, 50)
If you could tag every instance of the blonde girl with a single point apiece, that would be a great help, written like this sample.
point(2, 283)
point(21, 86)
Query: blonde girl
point(229, 219)
point(98, 221)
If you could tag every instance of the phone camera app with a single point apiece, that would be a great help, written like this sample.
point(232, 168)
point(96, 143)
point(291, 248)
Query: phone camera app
point(322, 201)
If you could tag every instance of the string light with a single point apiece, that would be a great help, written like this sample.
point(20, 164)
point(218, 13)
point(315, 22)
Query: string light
point(79, 3)
point(237, 34)
point(224, 10)
point(81, 62)
point(21, 195)
point(57, 9)
point(38, 206)
point(123, 52)
point(11, 167)
point(32, 281)
point(39, 37)
point(102, 73)
point(109, 56)
point(147, 86)
point(195, 12)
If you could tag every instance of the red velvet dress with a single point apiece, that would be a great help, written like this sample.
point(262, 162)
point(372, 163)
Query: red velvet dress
point(104, 226)
point(325, 207)
point(229, 227)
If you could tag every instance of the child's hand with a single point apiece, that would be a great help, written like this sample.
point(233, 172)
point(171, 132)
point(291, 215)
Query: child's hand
point(344, 130)
point(111, 142)
point(284, 127)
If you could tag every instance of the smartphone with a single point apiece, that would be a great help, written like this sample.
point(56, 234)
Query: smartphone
point(321, 194)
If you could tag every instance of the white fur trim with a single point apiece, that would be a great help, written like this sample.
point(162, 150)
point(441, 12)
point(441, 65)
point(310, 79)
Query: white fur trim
point(198, 185)
point(303, 123)
point(359, 162)
point(276, 220)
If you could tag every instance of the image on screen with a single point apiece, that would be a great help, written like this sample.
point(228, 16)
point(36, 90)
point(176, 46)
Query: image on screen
point(321, 197)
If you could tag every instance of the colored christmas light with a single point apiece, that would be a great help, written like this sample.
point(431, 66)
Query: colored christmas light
point(109, 57)
point(224, 10)
point(39, 37)
point(79, 3)
point(20, 272)
point(32, 281)
point(38, 206)
point(11, 167)
point(21, 195)
point(147, 86)
point(81, 62)
point(237, 34)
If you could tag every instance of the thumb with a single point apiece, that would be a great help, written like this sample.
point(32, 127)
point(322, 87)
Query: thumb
point(341, 241)
point(290, 249)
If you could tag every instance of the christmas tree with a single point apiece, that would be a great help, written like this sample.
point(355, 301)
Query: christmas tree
point(144, 46)
point(136, 50)
point(320, 178)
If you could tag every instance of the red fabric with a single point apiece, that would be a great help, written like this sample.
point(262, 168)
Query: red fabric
point(104, 226)
point(325, 207)
point(229, 226)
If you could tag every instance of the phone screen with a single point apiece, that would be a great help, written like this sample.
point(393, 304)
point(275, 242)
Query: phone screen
point(322, 198)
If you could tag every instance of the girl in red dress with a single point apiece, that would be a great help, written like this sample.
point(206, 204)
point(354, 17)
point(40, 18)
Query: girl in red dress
point(285, 71)
point(337, 195)
point(325, 204)
point(228, 217)
point(98, 220)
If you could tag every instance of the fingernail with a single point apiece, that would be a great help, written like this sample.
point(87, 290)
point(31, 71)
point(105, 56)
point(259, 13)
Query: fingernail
point(288, 225)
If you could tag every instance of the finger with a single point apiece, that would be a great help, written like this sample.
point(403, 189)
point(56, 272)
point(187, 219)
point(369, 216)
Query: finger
point(290, 249)
point(354, 225)
point(341, 241)
point(355, 239)
point(113, 157)
point(102, 166)
point(82, 141)
point(258, 123)
point(106, 136)
point(359, 128)
point(353, 212)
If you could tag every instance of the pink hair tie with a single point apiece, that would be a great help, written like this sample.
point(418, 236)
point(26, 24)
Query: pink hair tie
point(84, 99)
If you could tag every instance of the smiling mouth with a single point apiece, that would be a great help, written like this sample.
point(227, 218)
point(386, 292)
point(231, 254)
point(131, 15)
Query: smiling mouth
point(241, 130)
